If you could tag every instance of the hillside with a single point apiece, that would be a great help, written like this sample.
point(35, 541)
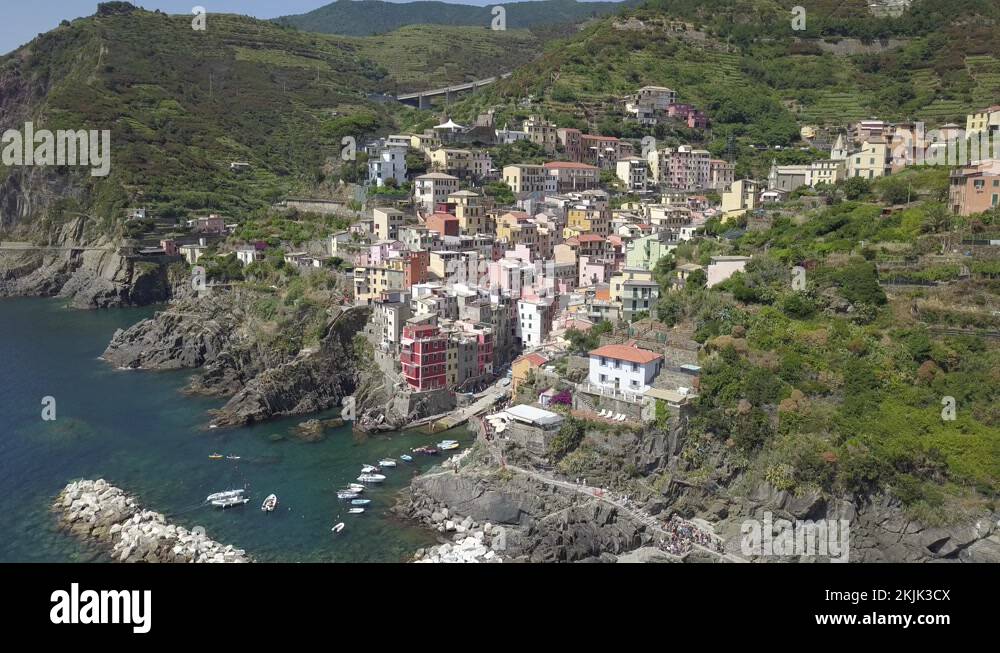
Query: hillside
point(757, 78)
point(183, 104)
point(366, 17)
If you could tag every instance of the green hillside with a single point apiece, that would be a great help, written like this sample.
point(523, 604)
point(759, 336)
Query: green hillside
point(366, 17)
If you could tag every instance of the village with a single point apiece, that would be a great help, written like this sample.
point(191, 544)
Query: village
point(547, 290)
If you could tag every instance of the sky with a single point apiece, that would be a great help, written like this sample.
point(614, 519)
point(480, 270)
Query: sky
point(23, 21)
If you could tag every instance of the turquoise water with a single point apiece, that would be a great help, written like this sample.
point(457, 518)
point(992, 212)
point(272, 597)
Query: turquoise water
point(137, 430)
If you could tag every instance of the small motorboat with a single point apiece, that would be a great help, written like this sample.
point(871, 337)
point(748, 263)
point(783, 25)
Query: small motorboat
point(360, 502)
point(355, 511)
point(228, 494)
point(432, 451)
point(448, 446)
point(232, 457)
point(347, 494)
point(337, 527)
point(406, 458)
point(371, 478)
point(270, 503)
point(388, 462)
point(369, 469)
point(427, 451)
point(232, 501)
point(215, 456)
point(355, 487)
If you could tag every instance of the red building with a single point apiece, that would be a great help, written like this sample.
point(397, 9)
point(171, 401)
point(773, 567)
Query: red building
point(444, 223)
point(423, 357)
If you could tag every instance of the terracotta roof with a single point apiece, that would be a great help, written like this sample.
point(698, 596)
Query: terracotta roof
point(625, 353)
point(537, 359)
point(590, 238)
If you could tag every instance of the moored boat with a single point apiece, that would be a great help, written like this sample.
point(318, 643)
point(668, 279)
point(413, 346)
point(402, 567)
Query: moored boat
point(228, 494)
point(355, 511)
point(347, 494)
point(232, 501)
point(337, 527)
point(448, 446)
point(387, 462)
point(406, 458)
point(232, 457)
point(270, 503)
point(371, 478)
point(215, 456)
point(356, 487)
point(369, 469)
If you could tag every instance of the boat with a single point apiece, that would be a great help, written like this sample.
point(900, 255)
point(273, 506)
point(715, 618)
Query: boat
point(215, 456)
point(371, 478)
point(347, 494)
point(448, 446)
point(447, 442)
point(428, 451)
point(270, 503)
point(388, 462)
point(355, 511)
point(228, 494)
point(432, 451)
point(337, 527)
point(232, 457)
point(231, 501)
point(360, 502)
point(406, 458)
point(370, 469)
point(356, 487)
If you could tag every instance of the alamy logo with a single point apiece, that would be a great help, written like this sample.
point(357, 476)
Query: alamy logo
point(782, 537)
point(103, 607)
point(62, 148)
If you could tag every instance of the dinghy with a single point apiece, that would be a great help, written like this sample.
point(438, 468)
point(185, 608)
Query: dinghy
point(371, 478)
point(215, 456)
point(388, 462)
point(270, 503)
point(406, 458)
point(355, 511)
point(355, 487)
point(369, 469)
point(346, 494)
point(337, 528)
point(448, 446)
point(360, 502)
point(232, 457)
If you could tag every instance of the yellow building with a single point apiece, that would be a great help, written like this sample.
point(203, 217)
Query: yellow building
point(589, 221)
point(471, 214)
point(618, 280)
point(985, 120)
point(870, 161)
point(526, 178)
point(522, 367)
point(371, 281)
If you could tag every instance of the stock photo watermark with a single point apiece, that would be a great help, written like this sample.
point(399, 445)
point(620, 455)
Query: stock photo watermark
point(782, 537)
point(64, 147)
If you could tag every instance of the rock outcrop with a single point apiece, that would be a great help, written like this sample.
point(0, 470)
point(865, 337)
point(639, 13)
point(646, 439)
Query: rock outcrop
point(104, 515)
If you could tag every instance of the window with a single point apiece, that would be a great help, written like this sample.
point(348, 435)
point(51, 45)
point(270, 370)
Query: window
point(635, 367)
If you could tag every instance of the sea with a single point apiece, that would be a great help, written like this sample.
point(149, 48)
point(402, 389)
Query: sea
point(141, 432)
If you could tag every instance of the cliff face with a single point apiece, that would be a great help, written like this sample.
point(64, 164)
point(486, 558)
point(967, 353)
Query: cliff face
point(86, 269)
point(219, 338)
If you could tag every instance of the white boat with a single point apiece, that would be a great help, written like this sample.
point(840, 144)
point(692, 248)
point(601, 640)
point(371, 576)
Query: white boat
point(371, 478)
point(232, 501)
point(448, 446)
point(387, 463)
point(360, 502)
point(406, 458)
point(270, 503)
point(447, 442)
point(356, 487)
point(355, 511)
point(337, 527)
point(369, 469)
point(232, 457)
point(228, 494)
point(347, 494)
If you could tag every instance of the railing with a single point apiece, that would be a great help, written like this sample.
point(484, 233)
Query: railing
point(610, 393)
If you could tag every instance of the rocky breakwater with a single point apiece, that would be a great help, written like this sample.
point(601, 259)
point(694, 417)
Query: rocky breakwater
point(104, 515)
point(472, 543)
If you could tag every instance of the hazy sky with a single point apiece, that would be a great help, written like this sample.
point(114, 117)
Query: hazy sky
point(22, 21)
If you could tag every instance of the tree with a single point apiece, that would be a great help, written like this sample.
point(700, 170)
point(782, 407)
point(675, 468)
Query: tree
point(936, 218)
point(856, 187)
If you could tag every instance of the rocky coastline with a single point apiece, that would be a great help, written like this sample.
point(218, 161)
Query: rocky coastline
point(103, 515)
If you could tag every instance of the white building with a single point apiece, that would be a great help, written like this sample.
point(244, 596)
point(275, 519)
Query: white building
point(632, 171)
point(387, 163)
point(534, 320)
point(432, 189)
point(723, 267)
point(624, 368)
point(248, 255)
